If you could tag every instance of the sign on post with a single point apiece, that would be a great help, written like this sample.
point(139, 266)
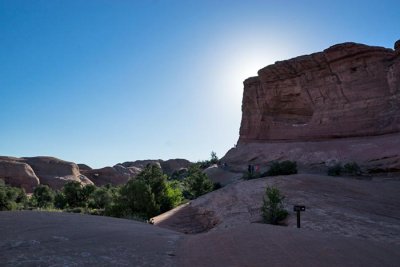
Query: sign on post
point(298, 209)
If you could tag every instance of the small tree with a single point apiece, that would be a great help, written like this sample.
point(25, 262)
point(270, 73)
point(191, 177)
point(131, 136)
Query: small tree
point(214, 159)
point(100, 198)
point(286, 167)
point(335, 170)
point(73, 194)
point(272, 209)
point(197, 183)
point(43, 196)
point(11, 198)
point(136, 199)
point(352, 168)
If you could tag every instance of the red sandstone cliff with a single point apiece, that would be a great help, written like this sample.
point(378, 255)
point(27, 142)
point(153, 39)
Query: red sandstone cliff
point(345, 91)
point(339, 105)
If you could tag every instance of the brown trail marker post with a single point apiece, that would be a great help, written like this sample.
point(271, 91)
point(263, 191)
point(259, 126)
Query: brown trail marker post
point(298, 209)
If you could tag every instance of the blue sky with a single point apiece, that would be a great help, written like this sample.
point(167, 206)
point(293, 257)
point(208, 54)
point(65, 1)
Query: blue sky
point(102, 82)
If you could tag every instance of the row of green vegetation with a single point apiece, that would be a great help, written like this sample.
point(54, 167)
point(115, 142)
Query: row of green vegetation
point(286, 167)
point(350, 168)
point(149, 194)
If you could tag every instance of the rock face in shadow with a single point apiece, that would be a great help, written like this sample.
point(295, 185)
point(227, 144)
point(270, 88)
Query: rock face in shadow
point(18, 174)
point(298, 109)
point(345, 91)
point(30, 172)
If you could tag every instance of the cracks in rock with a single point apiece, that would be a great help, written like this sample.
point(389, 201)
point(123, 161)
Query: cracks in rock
point(338, 80)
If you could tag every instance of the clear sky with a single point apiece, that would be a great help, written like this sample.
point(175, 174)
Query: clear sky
point(102, 82)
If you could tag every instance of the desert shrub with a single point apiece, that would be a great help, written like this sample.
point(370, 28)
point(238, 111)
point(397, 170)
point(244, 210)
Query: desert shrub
point(179, 174)
point(76, 195)
point(214, 159)
point(100, 198)
point(249, 175)
point(149, 194)
point(352, 168)
point(72, 192)
point(272, 209)
point(42, 197)
point(12, 198)
point(207, 163)
point(135, 198)
point(286, 167)
point(335, 170)
point(217, 186)
point(173, 196)
point(197, 183)
point(60, 201)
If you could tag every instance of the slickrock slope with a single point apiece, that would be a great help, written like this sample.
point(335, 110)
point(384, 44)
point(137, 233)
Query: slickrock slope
point(348, 90)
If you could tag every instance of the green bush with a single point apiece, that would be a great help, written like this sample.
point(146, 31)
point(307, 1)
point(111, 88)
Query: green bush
point(197, 183)
point(100, 198)
point(42, 197)
point(335, 170)
point(149, 194)
point(286, 167)
point(12, 198)
point(352, 168)
point(76, 195)
point(135, 198)
point(60, 201)
point(272, 209)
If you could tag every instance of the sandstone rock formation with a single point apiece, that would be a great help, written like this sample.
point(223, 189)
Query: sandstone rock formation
point(116, 175)
point(56, 172)
point(29, 172)
point(84, 167)
point(168, 166)
point(18, 174)
point(348, 90)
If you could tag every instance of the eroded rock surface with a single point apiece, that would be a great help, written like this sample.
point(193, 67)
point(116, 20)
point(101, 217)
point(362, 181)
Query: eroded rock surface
point(341, 105)
point(345, 91)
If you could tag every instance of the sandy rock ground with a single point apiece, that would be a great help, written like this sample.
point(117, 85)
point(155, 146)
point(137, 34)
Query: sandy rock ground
point(60, 239)
point(348, 222)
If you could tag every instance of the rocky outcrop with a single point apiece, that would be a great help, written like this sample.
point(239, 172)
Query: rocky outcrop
point(30, 172)
point(373, 154)
point(342, 104)
point(18, 174)
point(116, 175)
point(56, 172)
point(345, 91)
point(84, 167)
point(167, 166)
